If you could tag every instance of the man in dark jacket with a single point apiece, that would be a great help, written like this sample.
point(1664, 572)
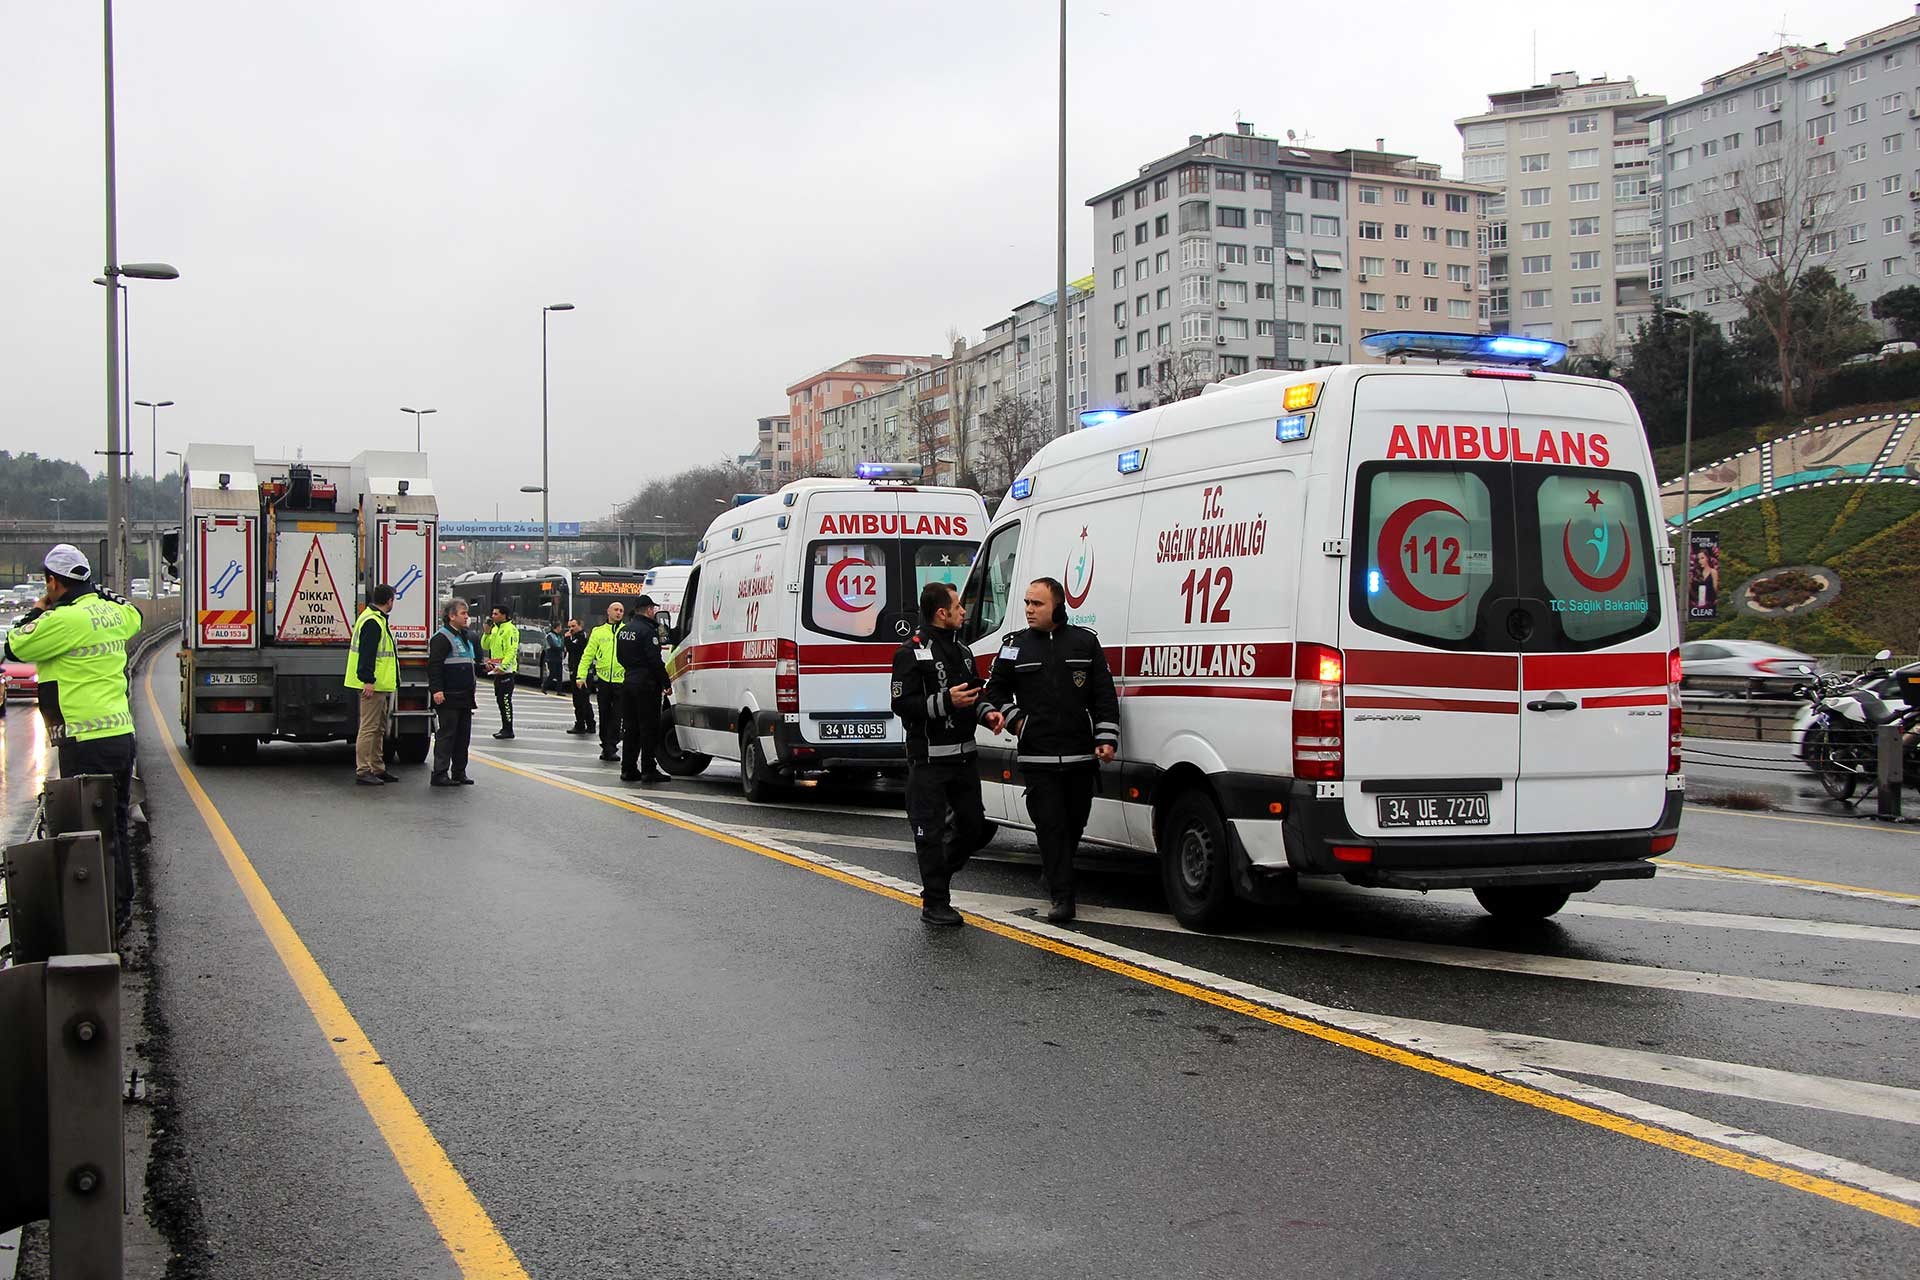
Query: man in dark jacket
point(576, 641)
point(637, 645)
point(934, 692)
point(452, 680)
point(1052, 690)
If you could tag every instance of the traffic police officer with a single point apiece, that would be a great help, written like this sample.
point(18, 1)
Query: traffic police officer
point(934, 692)
point(637, 646)
point(1051, 688)
point(600, 670)
point(502, 643)
point(76, 635)
point(374, 669)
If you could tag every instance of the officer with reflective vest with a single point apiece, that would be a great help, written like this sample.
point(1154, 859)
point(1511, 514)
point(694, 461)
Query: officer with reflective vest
point(935, 690)
point(1051, 688)
point(502, 643)
point(76, 635)
point(373, 667)
point(600, 671)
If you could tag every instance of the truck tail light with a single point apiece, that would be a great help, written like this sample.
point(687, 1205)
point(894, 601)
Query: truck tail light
point(1674, 736)
point(1319, 713)
point(786, 676)
point(232, 704)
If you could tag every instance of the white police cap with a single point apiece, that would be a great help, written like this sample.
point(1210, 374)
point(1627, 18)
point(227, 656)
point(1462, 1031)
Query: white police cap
point(66, 561)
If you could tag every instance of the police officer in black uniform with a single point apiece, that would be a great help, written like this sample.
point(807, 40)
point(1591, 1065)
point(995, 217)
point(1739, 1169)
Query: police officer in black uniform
point(934, 694)
point(637, 646)
point(1051, 688)
point(582, 698)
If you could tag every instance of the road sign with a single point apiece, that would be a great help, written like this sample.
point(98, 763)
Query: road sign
point(404, 559)
point(512, 529)
point(224, 583)
point(312, 610)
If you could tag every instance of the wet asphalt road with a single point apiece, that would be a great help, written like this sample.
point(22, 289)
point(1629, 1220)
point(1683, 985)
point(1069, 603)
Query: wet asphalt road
point(651, 1052)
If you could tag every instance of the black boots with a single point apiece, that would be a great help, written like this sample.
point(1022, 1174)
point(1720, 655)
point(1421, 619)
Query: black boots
point(941, 913)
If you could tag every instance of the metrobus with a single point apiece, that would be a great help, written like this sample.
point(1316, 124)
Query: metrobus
point(536, 597)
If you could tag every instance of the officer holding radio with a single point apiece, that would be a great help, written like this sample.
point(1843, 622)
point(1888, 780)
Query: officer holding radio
point(934, 694)
point(1052, 690)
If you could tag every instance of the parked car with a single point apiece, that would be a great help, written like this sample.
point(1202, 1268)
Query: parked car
point(1891, 349)
point(1743, 668)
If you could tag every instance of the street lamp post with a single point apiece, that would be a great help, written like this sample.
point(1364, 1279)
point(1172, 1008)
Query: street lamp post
point(1686, 457)
point(153, 525)
point(1061, 365)
point(56, 514)
point(120, 515)
point(546, 523)
point(417, 415)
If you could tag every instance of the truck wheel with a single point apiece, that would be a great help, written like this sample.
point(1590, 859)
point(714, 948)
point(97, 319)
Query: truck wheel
point(204, 748)
point(414, 748)
point(1194, 868)
point(1523, 901)
point(756, 775)
point(241, 748)
point(678, 763)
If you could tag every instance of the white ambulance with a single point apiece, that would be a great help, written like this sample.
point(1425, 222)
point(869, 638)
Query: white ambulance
point(1408, 623)
point(782, 650)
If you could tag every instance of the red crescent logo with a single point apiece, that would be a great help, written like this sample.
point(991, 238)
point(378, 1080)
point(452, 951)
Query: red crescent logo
point(840, 602)
point(1075, 601)
point(1386, 554)
point(1586, 579)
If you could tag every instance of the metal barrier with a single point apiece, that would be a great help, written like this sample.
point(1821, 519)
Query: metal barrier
point(61, 1130)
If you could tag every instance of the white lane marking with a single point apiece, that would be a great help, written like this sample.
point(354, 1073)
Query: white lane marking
point(1380, 1027)
point(1684, 917)
point(1815, 995)
point(1768, 880)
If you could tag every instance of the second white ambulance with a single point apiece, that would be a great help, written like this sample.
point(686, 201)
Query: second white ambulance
point(783, 645)
point(1408, 624)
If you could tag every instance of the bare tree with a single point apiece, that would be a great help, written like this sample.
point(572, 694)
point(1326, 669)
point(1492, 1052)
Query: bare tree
point(1010, 433)
point(1774, 222)
point(1180, 373)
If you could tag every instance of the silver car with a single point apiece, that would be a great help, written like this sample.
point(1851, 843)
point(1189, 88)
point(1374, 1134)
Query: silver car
point(1743, 668)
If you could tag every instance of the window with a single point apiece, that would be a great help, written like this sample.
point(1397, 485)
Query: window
point(1536, 298)
point(1857, 113)
point(1291, 182)
point(1193, 180)
point(1429, 199)
point(1263, 328)
point(1856, 273)
point(1194, 253)
point(1430, 234)
point(1820, 126)
point(1119, 242)
point(1730, 143)
point(1534, 163)
point(1120, 345)
point(1534, 197)
point(1232, 328)
point(1531, 129)
point(1119, 315)
point(1856, 73)
point(1430, 305)
point(1322, 225)
point(1159, 188)
point(1581, 192)
point(1231, 291)
point(1893, 266)
point(1140, 233)
point(1458, 238)
point(1682, 194)
point(1710, 260)
point(1477, 169)
point(1141, 269)
point(1585, 158)
point(1680, 232)
point(1160, 227)
point(1478, 136)
point(1635, 254)
point(1325, 189)
point(1629, 188)
point(1768, 171)
point(1767, 95)
point(1373, 302)
point(1226, 217)
point(1142, 340)
point(1536, 266)
point(1369, 195)
point(1263, 293)
point(1263, 217)
point(1196, 327)
point(1402, 302)
point(1400, 193)
point(1326, 335)
point(1856, 193)
point(1141, 305)
point(1826, 242)
point(1262, 254)
point(1584, 227)
point(1459, 273)
point(1681, 269)
point(1891, 143)
point(1119, 207)
point(1402, 267)
point(1398, 596)
point(1586, 260)
point(1119, 277)
point(1162, 261)
point(1263, 182)
point(1401, 231)
point(1892, 60)
point(1585, 296)
point(1822, 166)
point(1163, 336)
point(1233, 255)
point(1889, 226)
point(1139, 197)
point(1229, 180)
point(1818, 87)
point(1767, 135)
point(1891, 183)
point(1296, 224)
point(1162, 298)
point(1431, 270)
point(1120, 383)
point(1584, 124)
point(1326, 297)
point(1456, 203)
point(1373, 266)
point(1459, 309)
point(1632, 223)
point(1196, 291)
point(991, 581)
point(851, 585)
point(1857, 233)
point(1296, 331)
point(1892, 102)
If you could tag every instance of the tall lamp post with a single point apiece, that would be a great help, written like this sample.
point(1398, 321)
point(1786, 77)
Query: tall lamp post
point(153, 525)
point(1061, 365)
point(120, 394)
point(546, 523)
point(417, 415)
point(1686, 459)
point(56, 514)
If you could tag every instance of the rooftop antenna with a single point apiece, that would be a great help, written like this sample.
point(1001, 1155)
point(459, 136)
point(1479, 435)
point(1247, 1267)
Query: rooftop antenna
point(1783, 33)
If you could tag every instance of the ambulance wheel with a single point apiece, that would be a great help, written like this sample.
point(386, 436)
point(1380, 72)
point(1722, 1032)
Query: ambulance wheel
point(757, 780)
point(677, 762)
point(1522, 901)
point(1194, 868)
point(414, 748)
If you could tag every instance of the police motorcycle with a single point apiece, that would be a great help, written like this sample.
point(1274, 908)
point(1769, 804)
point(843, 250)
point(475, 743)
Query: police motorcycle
point(1839, 728)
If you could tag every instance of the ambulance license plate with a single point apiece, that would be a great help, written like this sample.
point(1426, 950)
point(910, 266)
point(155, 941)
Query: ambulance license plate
point(852, 729)
point(1464, 810)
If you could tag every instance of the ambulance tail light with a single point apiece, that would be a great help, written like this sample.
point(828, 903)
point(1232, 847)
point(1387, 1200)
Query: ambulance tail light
point(1319, 725)
point(1675, 739)
point(786, 676)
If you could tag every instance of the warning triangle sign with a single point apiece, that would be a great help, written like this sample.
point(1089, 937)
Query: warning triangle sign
point(313, 612)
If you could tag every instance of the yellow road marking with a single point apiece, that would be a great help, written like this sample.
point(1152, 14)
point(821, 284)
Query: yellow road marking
point(1776, 876)
point(1738, 1161)
point(477, 1247)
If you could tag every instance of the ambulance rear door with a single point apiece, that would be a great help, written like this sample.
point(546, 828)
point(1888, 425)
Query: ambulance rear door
point(1431, 667)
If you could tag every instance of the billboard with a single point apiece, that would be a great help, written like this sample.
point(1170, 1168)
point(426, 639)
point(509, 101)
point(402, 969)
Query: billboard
point(1703, 575)
point(513, 529)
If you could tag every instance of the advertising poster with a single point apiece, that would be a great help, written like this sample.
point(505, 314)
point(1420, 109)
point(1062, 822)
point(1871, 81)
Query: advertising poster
point(1703, 574)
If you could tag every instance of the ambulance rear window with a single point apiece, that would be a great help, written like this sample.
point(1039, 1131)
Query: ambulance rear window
point(1595, 568)
point(849, 586)
point(1429, 552)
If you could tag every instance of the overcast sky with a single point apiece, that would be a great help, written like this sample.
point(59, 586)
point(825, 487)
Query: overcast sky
point(370, 201)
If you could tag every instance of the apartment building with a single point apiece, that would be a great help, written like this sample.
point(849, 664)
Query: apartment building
point(1803, 156)
point(1568, 237)
point(1240, 252)
point(771, 460)
point(849, 380)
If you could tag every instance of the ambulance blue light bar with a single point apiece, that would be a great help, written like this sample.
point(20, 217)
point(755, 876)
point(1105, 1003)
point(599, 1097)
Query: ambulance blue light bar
point(1100, 417)
point(1022, 489)
point(890, 471)
point(1487, 348)
point(1293, 427)
point(1131, 461)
